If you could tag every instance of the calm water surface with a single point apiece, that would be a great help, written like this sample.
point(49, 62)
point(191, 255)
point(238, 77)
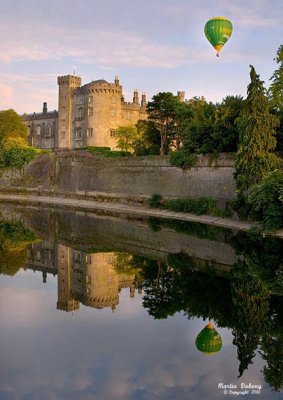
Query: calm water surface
point(100, 307)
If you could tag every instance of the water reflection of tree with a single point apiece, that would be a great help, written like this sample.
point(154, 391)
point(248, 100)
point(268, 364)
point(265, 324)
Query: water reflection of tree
point(250, 309)
point(272, 352)
point(241, 301)
point(254, 279)
point(178, 286)
point(14, 239)
point(264, 256)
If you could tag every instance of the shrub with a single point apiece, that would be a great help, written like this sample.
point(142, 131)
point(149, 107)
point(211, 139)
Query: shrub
point(264, 199)
point(203, 205)
point(107, 152)
point(183, 159)
point(17, 156)
point(155, 200)
point(240, 205)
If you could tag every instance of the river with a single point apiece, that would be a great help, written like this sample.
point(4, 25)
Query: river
point(100, 306)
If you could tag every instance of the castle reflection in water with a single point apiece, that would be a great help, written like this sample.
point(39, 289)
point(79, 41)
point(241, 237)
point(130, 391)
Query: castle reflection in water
point(87, 278)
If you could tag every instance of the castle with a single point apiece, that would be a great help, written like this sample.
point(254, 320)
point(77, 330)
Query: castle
point(87, 278)
point(87, 115)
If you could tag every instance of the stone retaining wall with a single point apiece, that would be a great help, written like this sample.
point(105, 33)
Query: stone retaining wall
point(79, 173)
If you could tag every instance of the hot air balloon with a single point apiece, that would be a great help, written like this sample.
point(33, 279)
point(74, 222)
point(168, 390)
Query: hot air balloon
point(209, 341)
point(218, 31)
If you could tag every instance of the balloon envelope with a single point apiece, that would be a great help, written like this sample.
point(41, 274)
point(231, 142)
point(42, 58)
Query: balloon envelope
point(218, 31)
point(208, 341)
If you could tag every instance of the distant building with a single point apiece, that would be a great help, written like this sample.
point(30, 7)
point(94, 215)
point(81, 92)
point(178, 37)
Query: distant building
point(42, 128)
point(87, 115)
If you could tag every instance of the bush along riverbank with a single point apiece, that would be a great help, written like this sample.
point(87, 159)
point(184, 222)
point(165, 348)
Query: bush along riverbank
point(200, 206)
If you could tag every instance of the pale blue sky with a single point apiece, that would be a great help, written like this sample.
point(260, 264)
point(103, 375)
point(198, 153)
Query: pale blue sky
point(153, 45)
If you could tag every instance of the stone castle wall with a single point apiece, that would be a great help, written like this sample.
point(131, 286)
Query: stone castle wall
point(83, 174)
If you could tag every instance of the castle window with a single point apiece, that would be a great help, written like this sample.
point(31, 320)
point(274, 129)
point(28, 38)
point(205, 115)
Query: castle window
point(62, 134)
point(38, 130)
point(48, 254)
point(90, 99)
point(113, 112)
point(79, 276)
point(88, 259)
point(89, 132)
point(78, 256)
point(78, 134)
point(90, 111)
point(112, 132)
point(88, 279)
point(128, 115)
point(113, 100)
point(29, 130)
point(80, 112)
point(88, 291)
point(48, 131)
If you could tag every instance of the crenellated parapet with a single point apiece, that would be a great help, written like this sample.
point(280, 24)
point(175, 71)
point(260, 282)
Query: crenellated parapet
point(70, 80)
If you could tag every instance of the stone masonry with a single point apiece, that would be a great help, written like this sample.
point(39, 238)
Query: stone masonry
point(87, 115)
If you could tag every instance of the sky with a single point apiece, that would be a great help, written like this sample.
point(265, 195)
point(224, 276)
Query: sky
point(152, 45)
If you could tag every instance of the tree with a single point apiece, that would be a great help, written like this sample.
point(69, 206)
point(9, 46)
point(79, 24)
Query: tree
point(149, 139)
point(184, 114)
point(257, 136)
point(198, 127)
point(275, 93)
point(126, 137)
point(12, 128)
point(162, 113)
point(225, 134)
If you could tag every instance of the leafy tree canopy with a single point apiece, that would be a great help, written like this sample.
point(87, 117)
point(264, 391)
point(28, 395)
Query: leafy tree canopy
point(126, 137)
point(162, 113)
point(12, 127)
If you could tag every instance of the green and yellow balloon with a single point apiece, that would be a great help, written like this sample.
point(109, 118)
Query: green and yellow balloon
point(218, 31)
point(208, 341)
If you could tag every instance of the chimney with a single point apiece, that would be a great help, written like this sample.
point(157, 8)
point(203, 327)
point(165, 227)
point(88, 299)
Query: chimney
point(143, 100)
point(44, 108)
point(136, 97)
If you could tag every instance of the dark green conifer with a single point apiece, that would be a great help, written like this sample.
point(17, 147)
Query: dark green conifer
point(257, 141)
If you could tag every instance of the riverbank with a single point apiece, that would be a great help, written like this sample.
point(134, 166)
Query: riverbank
point(119, 208)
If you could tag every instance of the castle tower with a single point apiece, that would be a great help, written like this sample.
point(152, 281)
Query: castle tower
point(181, 95)
point(67, 85)
point(65, 302)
